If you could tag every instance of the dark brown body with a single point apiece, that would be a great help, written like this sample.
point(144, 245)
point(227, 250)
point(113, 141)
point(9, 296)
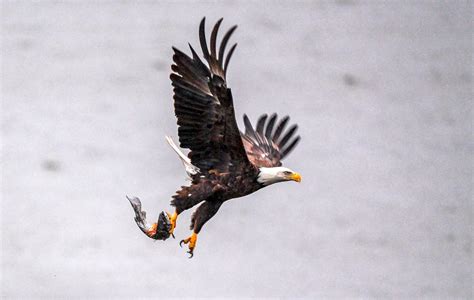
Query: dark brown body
point(214, 189)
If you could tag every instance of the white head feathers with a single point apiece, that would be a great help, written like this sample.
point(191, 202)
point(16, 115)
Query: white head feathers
point(269, 176)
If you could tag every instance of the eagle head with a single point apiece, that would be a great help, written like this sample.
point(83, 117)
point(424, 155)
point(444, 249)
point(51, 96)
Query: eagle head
point(268, 176)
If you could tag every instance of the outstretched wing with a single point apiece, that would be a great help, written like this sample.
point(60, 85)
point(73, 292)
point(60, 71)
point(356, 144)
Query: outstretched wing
point(263, 145)
point(204, 106)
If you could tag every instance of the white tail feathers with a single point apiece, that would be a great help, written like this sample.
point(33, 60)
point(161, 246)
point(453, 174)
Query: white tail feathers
point(190, 168)
point(181, 155)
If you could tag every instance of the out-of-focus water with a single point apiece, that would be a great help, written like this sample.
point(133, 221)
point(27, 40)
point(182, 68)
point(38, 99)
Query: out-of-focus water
point(382, 92)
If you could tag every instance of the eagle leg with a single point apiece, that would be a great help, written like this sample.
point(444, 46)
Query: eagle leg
point(192, 243)
point(172, 218)
point(188, 197)
point(202, 214)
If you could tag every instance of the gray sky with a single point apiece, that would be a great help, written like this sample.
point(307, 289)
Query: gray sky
point(382, 92)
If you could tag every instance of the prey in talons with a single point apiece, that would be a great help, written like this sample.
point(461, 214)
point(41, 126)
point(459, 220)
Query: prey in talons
point(161, 230)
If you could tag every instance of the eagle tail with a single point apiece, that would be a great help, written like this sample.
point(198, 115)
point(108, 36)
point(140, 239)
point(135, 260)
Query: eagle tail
point(190, 168)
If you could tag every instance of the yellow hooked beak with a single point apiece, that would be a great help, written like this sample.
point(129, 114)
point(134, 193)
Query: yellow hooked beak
point(296, 177)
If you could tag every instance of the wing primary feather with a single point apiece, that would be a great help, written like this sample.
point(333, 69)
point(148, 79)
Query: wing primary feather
point(248, 127)
point(260, 138)
point(214, 37)
point(280, 128)
point(186, 66)
point(290, 147)
point(202, 66)
point(261, 123)
point(202, 38)
point(203, 104)
point(227, 59)
point(269, 129)
point(224, 44)
point(287, 136)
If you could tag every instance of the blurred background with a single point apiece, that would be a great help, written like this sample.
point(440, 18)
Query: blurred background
point(382, 92)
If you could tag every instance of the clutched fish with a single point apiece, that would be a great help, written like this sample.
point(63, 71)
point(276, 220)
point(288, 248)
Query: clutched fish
point(159, 230)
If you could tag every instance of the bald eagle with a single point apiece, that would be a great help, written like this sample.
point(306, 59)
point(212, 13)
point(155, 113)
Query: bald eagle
point(223, 163)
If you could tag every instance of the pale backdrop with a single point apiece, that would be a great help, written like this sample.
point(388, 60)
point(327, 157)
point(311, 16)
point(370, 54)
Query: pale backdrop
point(381, 91)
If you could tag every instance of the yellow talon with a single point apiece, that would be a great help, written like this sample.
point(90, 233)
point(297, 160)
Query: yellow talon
point(192, 243)
point(172, 217)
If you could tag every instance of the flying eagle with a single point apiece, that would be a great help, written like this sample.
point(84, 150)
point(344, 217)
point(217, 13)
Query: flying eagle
point(223, 163)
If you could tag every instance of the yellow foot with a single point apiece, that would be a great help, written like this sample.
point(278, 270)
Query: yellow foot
point(172, 218)
point(192, 243)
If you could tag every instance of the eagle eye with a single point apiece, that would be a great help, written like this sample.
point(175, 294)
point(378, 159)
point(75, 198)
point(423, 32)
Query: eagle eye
point(287, 172)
